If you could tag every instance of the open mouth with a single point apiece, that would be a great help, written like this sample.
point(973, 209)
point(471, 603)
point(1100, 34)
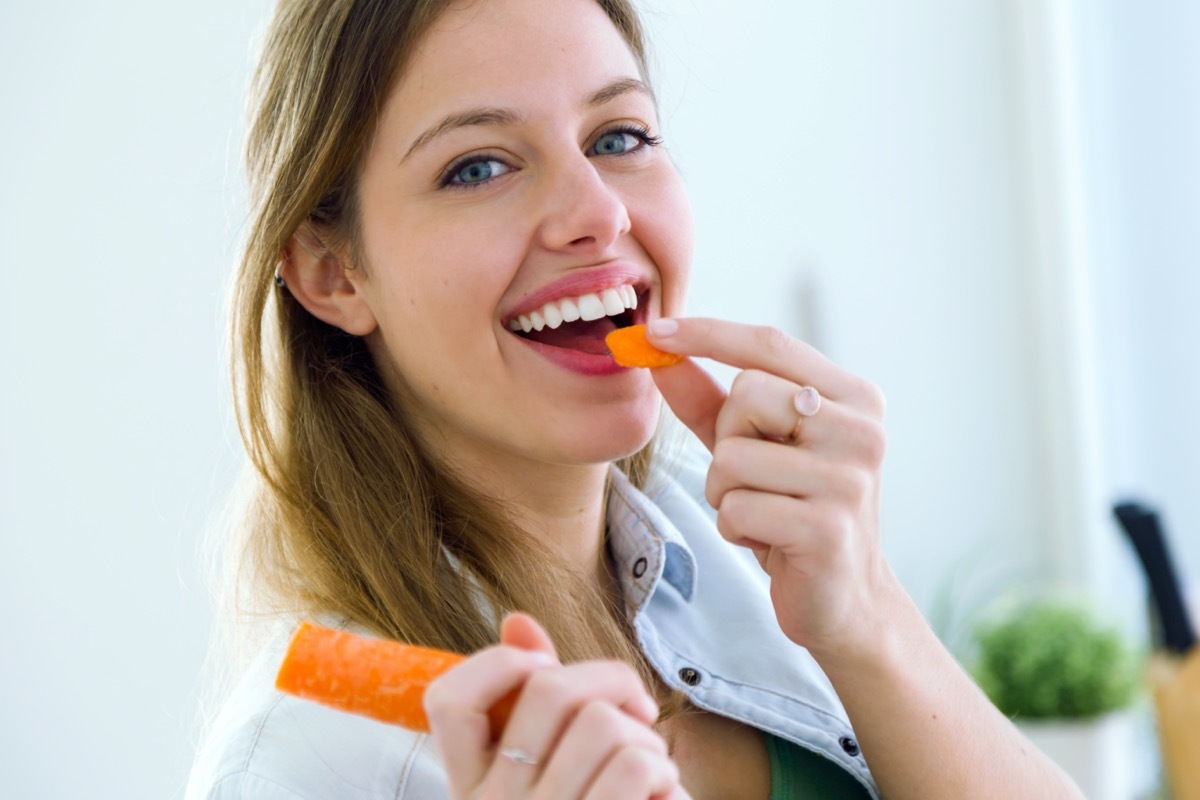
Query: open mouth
point(581, 323)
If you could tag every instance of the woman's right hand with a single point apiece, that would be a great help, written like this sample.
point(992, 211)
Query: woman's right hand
point(580, 731)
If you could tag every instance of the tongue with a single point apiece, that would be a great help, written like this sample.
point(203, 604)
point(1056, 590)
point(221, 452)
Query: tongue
point(587, 337)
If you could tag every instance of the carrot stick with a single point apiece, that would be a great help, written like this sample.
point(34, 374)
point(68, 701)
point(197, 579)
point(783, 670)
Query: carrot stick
point(631, 348)
point(376, 678)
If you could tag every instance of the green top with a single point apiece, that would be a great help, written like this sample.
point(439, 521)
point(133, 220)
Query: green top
point(800, 774)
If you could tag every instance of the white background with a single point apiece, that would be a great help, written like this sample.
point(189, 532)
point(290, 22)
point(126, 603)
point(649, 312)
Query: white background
point(988, 208)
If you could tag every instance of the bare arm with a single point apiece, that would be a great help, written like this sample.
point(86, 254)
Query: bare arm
point(925, 728)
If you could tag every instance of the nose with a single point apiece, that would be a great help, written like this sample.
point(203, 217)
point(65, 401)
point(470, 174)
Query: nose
point(581, 211)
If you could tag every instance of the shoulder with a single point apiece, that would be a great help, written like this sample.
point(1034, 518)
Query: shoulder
point(269, 746)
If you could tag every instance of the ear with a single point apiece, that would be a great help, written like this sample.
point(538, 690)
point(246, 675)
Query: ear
point(319, 280)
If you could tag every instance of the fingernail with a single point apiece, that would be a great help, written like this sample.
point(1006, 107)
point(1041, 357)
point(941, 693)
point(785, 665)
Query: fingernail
point(545, 659)
point(663, 327)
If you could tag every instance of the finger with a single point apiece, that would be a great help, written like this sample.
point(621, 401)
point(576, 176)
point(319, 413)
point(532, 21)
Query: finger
point(595, 735)
point(457, 705)
point(803, 528)
point(770, 467)
point(551, 698)
point(761, 405)
point(763, 348)
point(633, 772)
point(678, 794)
point(522, 631)
point(694, 396)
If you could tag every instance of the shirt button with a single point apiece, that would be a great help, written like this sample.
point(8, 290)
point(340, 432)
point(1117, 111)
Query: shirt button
point(849, 745)
point(639, 568)
point(689, 676)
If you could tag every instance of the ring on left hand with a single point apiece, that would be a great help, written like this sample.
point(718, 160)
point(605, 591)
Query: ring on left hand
point(519, 756)
point(806, 401)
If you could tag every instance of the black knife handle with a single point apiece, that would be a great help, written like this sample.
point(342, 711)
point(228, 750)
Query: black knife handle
point(1142, 527)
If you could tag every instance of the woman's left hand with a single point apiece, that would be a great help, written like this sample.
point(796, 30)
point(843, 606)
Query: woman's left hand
point(795, 473)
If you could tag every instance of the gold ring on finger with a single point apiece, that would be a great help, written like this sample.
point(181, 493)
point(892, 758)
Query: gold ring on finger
point(806, 401)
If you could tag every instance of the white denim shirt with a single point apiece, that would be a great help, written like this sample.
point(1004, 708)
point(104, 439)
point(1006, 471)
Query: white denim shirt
point(703, 616)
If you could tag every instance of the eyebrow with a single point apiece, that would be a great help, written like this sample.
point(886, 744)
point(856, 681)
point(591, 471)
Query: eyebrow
point(463, 119)
point(618, 88)
point(504, 116)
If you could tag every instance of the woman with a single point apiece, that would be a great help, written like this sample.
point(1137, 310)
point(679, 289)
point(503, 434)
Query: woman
point(458, 200)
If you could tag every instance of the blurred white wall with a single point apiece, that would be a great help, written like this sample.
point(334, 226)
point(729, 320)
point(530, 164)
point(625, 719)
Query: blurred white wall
point(1140, 80)
point(119, 204)
point(869, 177)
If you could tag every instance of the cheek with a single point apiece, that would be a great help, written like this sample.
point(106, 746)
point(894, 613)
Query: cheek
point(435, 298)
point(444, 268)
point(666, 232)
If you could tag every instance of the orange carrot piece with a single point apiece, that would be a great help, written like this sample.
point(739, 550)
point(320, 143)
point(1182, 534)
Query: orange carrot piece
point(631, 348)
point(376, 678)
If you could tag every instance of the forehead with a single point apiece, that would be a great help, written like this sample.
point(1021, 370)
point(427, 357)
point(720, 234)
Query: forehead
point(519, 53)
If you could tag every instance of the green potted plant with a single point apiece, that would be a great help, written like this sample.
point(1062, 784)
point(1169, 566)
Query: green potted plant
point(1069, 681)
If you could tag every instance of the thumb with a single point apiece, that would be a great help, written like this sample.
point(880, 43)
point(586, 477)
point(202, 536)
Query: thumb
point(522, 631)
point(694, 396)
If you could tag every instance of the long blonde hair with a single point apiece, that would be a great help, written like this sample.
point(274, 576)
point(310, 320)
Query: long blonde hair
point(349, 515)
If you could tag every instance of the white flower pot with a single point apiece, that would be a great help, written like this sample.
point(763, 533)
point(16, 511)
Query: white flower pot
point(1097, 753)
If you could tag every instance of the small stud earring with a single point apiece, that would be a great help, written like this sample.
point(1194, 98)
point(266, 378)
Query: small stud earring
point(279, 281)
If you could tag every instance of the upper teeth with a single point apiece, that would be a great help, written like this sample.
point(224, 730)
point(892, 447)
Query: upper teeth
point(587, 307)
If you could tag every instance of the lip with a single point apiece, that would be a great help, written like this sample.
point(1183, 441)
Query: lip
point(593, 281)
point(574, 285)
point(575, 360)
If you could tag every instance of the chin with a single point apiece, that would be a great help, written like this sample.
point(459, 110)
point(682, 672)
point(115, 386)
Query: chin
point(614, 439)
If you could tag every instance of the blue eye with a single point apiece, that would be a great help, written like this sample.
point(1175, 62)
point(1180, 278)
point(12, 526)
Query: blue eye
point(624, 141)
point(476, 171)
point(615, 143)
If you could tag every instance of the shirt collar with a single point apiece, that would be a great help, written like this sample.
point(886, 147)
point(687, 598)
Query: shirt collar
point(645, 545)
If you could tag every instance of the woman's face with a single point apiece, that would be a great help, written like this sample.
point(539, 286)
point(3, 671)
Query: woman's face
point(515, 178)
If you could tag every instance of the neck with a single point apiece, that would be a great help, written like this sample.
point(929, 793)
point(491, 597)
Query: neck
point(566, 511)
point(562, 506)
